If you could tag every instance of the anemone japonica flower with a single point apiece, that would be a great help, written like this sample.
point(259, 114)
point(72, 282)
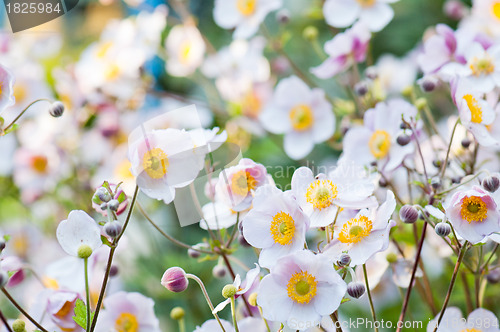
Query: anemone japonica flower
point(276, 224)
point(453, 321)
point(473, 213)
point(250, 278)
point(376, 140)
point(237, 184)
point(376, 14)
point(300, 289)
point(302, 114)
point(218, 215)
point(6, 88)
point(344, 50)
point(244, 15)
point(321, 196)
point(128, 312)
point(185, 49)
point(77, 232)
point(364, 235)
point(475, 112)
point(60, 308)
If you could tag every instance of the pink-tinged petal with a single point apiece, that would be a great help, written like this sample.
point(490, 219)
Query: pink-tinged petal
point(356, 146)
point(341, 13)
point(482, 135)
point(328, 299)
point(274, 300)
point(331, 67)
point(436, 55)
point(377, 16)
point(449, 36)
point(297, 145)
point(249, 279)
point(451, 314)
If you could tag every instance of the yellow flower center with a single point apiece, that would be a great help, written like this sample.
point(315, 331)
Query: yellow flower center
point(50, 283)
point(246, 7)
point(301, 287)
point(495, 9)
point(185, 52)
point(242, 182)
point(380, 143)
point(65, 309)
point(155, 163)
point(321, 193)
point(103, 49)
point(112, 71)
point(20, 92)
point(301, 117)
point(126, 322)
point(470, 330)
point(122, 170)
point(473, 209)
point(475, 110)
point(251, 105)
point(39, 164)
point(355, 230)
point(366, 3)
point(282, 228)
point(483, 66)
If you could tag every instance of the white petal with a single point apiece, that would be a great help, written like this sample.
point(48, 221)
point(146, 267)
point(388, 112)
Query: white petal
point(377, 17)
point(79, 229)
point(341, 13)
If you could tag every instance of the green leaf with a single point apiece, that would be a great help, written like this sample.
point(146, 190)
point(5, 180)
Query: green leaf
point(105, 241)
point(6, 238)
point(80, 316)
point(11, 129)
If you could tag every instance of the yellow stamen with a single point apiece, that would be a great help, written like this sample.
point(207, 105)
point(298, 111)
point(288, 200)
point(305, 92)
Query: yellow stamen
point(39, 164)
point(301, 287)
point(50, 283)
point(475, 110)
point(366, 3)
point(470, 330)
point(496, 9)
point(251, 105)
point(355, 230)
point(112, 72)
point(380, 143)
point(321, 193)
point(65, 309)
point(20, 92)
point(483, 66)
point(473, 209)
point(283, 228)
point(242, 182)
point(103, 49)
point(302, 117)
point(155, 163)
point(246, 7)
point(185, 52)
point(126, 322)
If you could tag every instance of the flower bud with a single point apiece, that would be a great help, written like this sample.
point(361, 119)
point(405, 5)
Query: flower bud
point(114, 204)
point(103, 194)
point(454, 9)
point(344, 260)
point(442, 229)
point(403, 139)
point(193, 253)
point(428, 83)
point(382, 183)
point(355, 289)
point(2, 244)
point(4, 278)
point(310, 33)
point(113, 271)
point(391, 257)
point(177, 313)
point(493, 276)
point(407, 91)
point(56, 109)
point(84, 251)
point(283, 16)
point(252, 299)
point(175, 280)
point(19, 326)
point(491, 183)
point(404, 125)
point(104, 206)
point(435, 182)
point(219, 271)
point(408, 214)
point(420, 103)
point(243, 241)
point(113, 229)
point(361, 88)
point(229, 291)
point(371, 73)
point(456, 179)
point(466, 143)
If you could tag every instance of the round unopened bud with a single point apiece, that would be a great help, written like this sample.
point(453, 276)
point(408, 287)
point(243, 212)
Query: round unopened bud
point(104, 206)
point(407, 91)
point(491, 183)
point(114, 204)
point(355, 289)
point(456, 179)
point(344, 260)
point(361, 88)
point(421, 103)
point(4, 278)
point(219, 271)
point(310, 33)
point(455, 9)
point(435, 182)
point(404, 125)
point(371, 73)
point(283, 16)
point(382, 182)
point(19, 326)
point(56, 109)
point(243, 241)
point(442, 229)
point(84, 251)
point(403, 139)
point(229, 291)
point(175, 280)
point(391, 257)
point(113, 271)
point(493, 276)
point(428, 83)
point(193, 253)
point(103, 194)
point(113, 229)
point(2, 244)
point(252, 299)
point(177, 313)
point(408, 214)
point(466, 143)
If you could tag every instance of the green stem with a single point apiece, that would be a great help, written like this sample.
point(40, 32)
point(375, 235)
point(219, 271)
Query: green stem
point(233, 314)
point(24, 111)
point(449, 149)
point(21, 310)
point(182, 325)
point(265, 320)
point(372, 308)
point(87, 291)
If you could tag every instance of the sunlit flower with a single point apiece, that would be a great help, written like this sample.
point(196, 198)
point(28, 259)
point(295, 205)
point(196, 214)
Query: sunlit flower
point(276, 224)
point(302, 114)
point(321, 196)
point(185, 49)
point(473, 214)
point(301, 288)
point(482, 69)
point(453, 321)
point(344, 50)
point(249, 280)
point(244, 15)
point(128, 312)
point(61, 309)
point(77, 231)
point(6, 88)
point(376, 14)
point(364, 235)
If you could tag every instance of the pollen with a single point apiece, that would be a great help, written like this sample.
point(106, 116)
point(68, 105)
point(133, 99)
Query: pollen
point(475, 110)
point(246, 7)
point(483, 66)
point(495, 9)
point(321, 193)
point(473, 209)
point(126, 322)
point(242, 182)
point(155, 163)
point(282, 228)
point(301, 117)
point(251, 105)
point(366, 3)
point(355, 230)
point(302, 287)
point(39, 164)
point(380, 143)
point(185, 52)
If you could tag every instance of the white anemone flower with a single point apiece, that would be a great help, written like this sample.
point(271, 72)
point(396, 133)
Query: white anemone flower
point(77, 232)
point(185, 50)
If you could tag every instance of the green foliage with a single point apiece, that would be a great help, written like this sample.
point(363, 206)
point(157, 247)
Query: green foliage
point(81, 314)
